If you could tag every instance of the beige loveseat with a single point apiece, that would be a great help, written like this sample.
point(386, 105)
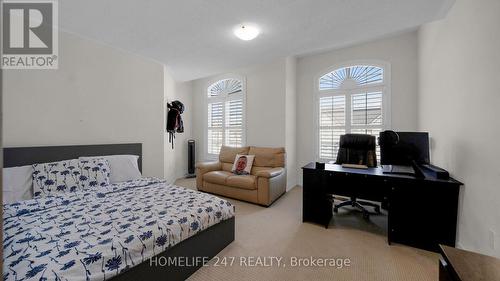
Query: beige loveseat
point(265, 183)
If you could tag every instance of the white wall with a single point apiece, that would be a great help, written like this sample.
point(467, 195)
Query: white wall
point(291, 119)
point(266, 104)
point(459, 98)
point(169, 96)
point(98, 95)
point(176, 161)
point(266, 107)
point(400, 51)
point(265, 110)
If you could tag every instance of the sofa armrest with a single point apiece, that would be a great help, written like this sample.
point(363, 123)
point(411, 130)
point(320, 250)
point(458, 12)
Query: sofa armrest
point(271, 173)
point(205, 167)
point(271, 184)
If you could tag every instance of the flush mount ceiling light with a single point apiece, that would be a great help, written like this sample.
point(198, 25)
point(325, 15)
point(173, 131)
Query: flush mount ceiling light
point(246, 31)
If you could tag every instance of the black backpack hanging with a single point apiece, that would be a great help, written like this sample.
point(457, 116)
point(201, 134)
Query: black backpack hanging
point(174, 120)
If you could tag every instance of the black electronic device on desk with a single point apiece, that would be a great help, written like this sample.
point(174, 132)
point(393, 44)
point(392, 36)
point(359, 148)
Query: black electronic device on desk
point(404, 148)
point(398, 170)
point(436, 171)
point(404, 152)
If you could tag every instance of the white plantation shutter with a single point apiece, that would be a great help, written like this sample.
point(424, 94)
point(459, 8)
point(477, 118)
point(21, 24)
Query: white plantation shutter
point(366, 115)
point(225, 115)
point(215, 126)
point(234, 123)
point(360, 74)
point(366, 109)
point(331, 125)
point(350, 101)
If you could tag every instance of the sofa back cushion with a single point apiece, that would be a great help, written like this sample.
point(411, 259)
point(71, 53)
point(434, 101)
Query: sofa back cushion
point(267, 156)
point(228, 153)
point(227, 166)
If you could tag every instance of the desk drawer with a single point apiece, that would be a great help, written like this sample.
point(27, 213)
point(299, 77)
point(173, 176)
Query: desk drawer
point(372, 188)
point(336, 183)
point(423, 214)
point(356, 185)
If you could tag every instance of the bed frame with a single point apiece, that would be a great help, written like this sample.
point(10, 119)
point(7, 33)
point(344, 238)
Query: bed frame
point(202, 246)
point(20, 156)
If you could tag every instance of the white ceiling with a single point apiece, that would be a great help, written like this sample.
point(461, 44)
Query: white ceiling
point(194, 37)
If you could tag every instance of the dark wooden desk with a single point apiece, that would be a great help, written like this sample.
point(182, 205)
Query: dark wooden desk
point(422, 212)
point(461, 265)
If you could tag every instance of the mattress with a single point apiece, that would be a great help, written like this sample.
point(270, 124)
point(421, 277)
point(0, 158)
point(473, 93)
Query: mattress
point(98, 235)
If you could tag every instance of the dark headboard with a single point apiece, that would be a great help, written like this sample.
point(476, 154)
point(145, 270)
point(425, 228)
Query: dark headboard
point(20, 156)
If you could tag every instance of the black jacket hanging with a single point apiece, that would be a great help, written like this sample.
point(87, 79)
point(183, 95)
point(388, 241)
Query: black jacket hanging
point(174, 120)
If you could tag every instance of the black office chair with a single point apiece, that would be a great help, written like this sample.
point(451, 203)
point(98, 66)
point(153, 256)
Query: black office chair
point(357, 149)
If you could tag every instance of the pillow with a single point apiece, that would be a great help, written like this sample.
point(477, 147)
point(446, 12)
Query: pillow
point(122, 167)
point(94, 172)
point(242, 164)
point(17, 184)
point(54, 178)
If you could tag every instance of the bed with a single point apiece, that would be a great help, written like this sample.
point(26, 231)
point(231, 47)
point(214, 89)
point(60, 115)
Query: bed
point(113, 233)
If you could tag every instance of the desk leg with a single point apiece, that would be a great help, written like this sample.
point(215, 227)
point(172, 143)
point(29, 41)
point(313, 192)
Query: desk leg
point(316, 207)
point(389, 225)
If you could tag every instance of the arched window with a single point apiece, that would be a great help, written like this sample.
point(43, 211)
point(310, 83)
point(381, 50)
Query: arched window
point(225, 103)
point(351, 99)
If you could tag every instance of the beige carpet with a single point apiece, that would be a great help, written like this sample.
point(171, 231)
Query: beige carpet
point(278, 231)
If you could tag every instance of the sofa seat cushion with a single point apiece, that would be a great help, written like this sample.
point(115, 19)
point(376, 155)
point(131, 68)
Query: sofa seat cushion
point(217, 177)
point(242, 181)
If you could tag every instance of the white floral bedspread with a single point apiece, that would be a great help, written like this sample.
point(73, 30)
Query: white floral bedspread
point(95, 236)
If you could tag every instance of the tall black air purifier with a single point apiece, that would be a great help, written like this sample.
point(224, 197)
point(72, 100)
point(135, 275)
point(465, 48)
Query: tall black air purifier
point(191, 152)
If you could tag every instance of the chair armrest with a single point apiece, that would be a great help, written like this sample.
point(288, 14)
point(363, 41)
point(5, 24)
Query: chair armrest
point(271, 173)
point(205, 167)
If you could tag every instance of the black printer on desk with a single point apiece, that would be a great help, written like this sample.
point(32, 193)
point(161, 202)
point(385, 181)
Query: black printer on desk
point(404, 152)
